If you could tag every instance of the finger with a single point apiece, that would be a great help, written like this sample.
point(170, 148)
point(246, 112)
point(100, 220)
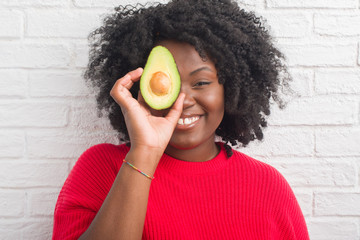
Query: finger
point(118, 90)
point(134, 77)
point(135, 74)
point(121, 95)
point(141, 99)
point(127, 80)
point(142, 102)
point(176, 110)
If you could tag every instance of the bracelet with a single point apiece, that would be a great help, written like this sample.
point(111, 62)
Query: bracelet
point(151, 178)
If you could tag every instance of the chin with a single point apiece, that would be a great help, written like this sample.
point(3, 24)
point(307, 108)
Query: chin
point(183, 146)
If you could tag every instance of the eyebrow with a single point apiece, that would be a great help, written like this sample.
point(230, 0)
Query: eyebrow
point(201, 69)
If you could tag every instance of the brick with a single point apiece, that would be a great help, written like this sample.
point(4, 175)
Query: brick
point(13, 83)
point(282, 142)
point(338, 142)
point(33, 114)
point(39, 228)
point(58, 84)
point(61, 23)
point(12, 203)
point(81, 55)
point(56, 147)
point(104, 3)
point(84, 116)
point(12, 143)
point(26, 228)
point(316, 55)
point(333, 228)
point(302, 82)
point(33, 174)
point(109, 3)
point(11, 26)
point(337, 25)
point(42, 202)
point(337, 81)
point(319, 174)
point(282, 25)
point(11, 228)
point(59, 144)
point(249, 4)
point(337, 204)
point(305, 201)
point(312, 4)
point(115, 3)
point(359, 54)
point(358, 167)
point(316, 111)
point(34, 55)
point(33, 3)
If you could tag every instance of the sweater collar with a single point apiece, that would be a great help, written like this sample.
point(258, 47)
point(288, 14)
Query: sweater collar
point(171, 164)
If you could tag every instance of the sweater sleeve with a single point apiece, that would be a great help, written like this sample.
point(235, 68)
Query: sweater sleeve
point(285, 219)
point(85, 189)
point(289, 221)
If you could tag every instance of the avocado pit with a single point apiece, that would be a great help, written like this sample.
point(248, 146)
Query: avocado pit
point(160, 83)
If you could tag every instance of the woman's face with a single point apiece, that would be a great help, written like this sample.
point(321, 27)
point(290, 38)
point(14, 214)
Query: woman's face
point(203, 108)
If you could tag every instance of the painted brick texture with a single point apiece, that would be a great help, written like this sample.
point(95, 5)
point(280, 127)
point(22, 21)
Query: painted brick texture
point(48, 116)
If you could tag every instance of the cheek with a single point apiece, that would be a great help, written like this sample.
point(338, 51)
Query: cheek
point(214, 103)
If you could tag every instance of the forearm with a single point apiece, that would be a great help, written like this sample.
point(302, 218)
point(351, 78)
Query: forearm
point(123, 212)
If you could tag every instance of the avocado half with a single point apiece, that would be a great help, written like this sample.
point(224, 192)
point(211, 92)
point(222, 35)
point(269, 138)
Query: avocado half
point(160, 82)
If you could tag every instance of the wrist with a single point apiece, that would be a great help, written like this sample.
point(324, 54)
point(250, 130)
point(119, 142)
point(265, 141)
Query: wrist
point(144, 158)
point(146, 152)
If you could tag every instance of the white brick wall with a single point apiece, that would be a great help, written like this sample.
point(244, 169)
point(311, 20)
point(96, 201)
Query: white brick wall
point(48, 117)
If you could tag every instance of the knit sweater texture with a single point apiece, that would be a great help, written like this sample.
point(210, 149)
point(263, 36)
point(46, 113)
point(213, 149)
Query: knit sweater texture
point(223, 198)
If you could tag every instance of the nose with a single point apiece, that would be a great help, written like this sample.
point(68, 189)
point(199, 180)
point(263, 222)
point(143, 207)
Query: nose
point(189, 100)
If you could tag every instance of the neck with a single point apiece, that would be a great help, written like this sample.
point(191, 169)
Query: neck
point(201, 153)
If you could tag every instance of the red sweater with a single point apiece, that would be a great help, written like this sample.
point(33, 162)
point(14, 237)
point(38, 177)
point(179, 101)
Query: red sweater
point(223, 198)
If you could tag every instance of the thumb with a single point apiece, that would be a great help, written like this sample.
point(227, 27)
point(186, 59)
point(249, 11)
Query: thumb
point(176, 110)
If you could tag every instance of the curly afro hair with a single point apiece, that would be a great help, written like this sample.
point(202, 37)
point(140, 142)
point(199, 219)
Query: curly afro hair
point(249, 66)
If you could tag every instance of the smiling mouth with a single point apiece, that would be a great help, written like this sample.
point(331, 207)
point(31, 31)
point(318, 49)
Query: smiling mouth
point(188, 121)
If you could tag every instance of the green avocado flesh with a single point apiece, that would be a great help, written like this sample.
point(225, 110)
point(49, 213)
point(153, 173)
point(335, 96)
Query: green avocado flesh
point(160, 81)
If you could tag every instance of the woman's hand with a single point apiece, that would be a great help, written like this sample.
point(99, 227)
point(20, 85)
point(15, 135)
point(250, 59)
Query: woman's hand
point(145, 130)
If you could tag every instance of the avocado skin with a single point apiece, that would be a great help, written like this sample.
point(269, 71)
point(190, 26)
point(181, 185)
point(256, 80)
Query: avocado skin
point(160, 59)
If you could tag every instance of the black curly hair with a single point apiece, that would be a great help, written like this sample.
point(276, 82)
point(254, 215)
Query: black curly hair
point(249, 66)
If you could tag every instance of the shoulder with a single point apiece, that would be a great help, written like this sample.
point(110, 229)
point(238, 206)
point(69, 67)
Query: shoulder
point(92, 176)
point(257, 167)
point(105, 150)
point(272, 188)
point(104, 153)
point(86, 188)
point(265, 176)
point(100, 159)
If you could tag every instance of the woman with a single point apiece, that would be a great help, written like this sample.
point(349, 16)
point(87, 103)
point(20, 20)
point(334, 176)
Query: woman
point(187, 185)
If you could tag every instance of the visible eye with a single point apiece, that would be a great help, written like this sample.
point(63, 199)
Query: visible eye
point(201, 83)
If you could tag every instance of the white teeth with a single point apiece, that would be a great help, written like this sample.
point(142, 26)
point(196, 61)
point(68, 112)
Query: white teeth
point(186, 121)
